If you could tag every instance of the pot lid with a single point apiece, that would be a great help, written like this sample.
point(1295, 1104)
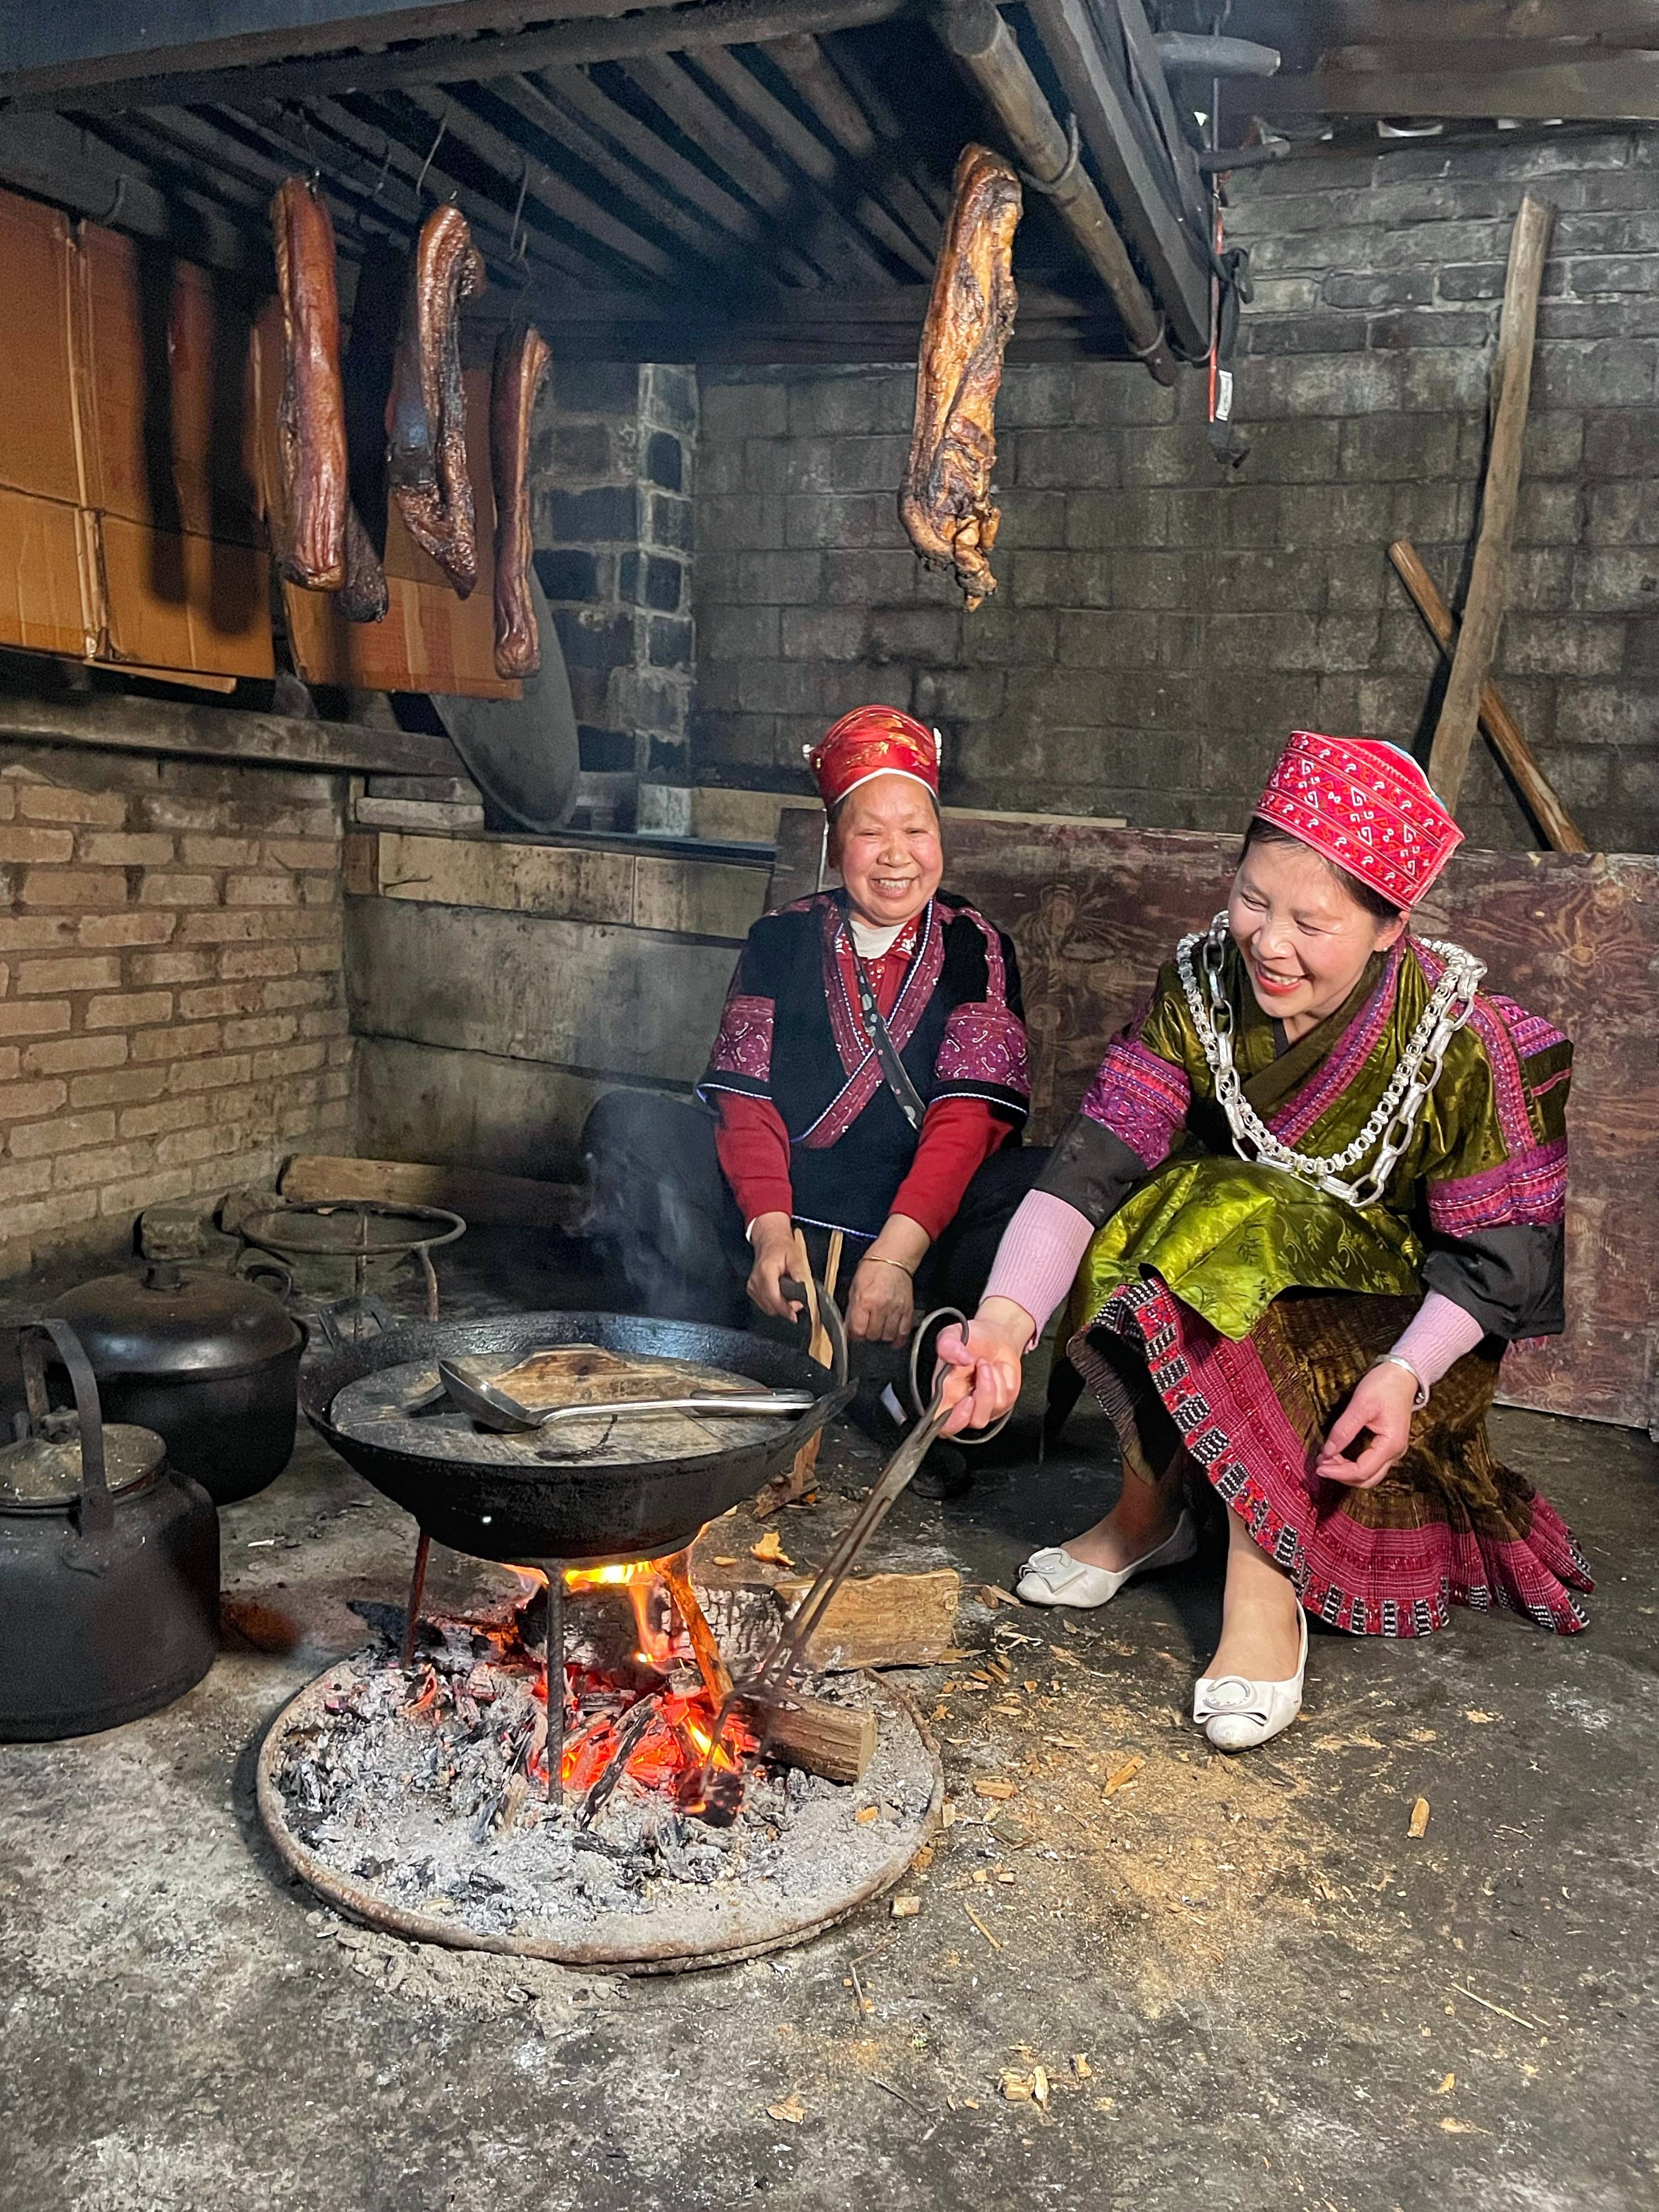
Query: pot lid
point(46, 1470)
point(165, 1322)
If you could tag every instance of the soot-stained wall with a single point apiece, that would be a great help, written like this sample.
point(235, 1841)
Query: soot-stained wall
point(1161, 623)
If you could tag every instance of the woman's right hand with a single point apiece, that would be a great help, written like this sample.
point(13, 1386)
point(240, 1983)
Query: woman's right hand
point(772, 1240)
point(985, 1372)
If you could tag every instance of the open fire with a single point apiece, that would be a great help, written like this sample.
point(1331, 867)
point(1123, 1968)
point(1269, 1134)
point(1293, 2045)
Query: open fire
point(649, 1716)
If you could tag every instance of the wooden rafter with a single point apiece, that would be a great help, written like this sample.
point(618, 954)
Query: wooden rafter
point(463, 61)
point(1539, 80)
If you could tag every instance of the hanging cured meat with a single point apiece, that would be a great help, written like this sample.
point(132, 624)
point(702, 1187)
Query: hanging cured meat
point(944, 502)
point(426, 414)
point(311, 438)
point(522, 365)
point(364, 596)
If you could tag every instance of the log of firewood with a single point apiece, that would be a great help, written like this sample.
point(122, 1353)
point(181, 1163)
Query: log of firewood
point(827, 1740)
point(883, 1620)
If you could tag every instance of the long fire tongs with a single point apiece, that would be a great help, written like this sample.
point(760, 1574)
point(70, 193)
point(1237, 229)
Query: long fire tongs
point(766, 1685)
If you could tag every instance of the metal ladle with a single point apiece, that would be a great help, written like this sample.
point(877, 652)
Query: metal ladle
point(492, 1408)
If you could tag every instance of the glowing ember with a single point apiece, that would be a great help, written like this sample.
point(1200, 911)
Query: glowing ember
point(641, 1717)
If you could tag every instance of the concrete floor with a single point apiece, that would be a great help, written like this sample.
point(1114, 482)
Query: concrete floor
point(1279, 1998)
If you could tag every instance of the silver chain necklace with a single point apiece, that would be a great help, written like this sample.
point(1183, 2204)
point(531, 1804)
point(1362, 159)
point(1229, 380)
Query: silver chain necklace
point(1390, 1125)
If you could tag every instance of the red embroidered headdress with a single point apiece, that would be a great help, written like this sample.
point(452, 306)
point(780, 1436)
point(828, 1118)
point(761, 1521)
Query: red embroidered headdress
point(1364, 805)
point(872, 741)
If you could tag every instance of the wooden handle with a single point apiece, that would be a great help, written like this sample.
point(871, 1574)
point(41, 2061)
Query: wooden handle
point(1553, 819)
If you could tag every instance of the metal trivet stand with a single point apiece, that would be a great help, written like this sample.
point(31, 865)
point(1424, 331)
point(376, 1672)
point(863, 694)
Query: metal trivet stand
point(360, 1230)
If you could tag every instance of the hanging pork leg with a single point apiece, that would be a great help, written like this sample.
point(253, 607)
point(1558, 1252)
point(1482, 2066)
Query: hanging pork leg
point(944, 502)
point(522, 365)
point(311, 438)
point(365, 595)
point(426, 414)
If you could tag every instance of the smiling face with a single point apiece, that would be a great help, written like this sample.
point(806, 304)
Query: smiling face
point(886, 843)
point(1303, 937)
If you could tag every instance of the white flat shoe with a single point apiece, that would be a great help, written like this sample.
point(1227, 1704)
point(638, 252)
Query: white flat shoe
point(1237, 1714)
point(1054, 1577)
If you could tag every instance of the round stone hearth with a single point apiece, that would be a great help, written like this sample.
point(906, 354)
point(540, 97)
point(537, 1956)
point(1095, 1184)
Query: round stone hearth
point(399, 1821)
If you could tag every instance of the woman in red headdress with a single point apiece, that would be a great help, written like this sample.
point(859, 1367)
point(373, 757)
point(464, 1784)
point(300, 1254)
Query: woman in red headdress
point(1316, 1188)
point(869, 1076)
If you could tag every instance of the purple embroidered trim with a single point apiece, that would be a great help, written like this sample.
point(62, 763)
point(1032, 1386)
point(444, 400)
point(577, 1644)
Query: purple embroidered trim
point(744, 1046)
point(1531, 1032)
point(864, 1069)
point(983, 1044)
point(1343, 1063)
point(1528, 1191)
point(1508, 1084)
point(1140, 1098)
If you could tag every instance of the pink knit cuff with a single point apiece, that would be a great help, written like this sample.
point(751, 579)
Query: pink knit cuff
point(1438, 1335)
point(1038, 1260)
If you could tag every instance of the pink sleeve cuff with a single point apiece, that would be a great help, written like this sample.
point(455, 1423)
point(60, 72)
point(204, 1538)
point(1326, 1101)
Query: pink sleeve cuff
point(1438, 1335)
point(1038, 1260)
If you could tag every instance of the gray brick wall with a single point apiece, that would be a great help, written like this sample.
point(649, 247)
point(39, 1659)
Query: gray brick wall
point(1160, 626)
point(611, 465)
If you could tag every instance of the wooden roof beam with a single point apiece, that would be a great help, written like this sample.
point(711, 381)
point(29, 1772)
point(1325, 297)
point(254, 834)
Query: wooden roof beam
point(1152, 218)
point(658, 29)
point(1534, 81)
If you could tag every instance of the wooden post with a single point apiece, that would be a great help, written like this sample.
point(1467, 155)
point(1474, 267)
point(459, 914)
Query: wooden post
point(1561, 832)
point(1483, 610)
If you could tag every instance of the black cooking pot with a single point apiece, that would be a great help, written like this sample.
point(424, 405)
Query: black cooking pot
point(109, 1564)
point(211, 1363)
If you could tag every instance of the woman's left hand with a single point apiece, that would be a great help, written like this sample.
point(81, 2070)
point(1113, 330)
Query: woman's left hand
point(1384, 1401)
point(882, 1303)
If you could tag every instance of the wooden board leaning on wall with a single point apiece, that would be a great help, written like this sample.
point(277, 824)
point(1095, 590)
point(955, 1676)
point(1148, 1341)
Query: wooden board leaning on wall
point(134, 388)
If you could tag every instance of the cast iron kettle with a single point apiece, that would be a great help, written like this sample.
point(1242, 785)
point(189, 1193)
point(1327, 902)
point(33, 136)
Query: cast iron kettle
point(109, 1564)
point(210, 1361)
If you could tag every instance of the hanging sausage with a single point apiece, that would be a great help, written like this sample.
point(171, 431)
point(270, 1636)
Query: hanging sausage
point(521, 364)
point(944, 502)
point(426, 414)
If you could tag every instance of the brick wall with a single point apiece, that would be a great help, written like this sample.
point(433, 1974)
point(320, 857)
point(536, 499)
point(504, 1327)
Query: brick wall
point(1160, 625)
point(611, 476)
point(172, 1015)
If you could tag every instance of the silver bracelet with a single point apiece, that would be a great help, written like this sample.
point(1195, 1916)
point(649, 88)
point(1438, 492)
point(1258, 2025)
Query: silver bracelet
point(1394, 1360)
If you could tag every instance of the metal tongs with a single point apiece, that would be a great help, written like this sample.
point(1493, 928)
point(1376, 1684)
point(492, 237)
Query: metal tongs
point(767, 1683)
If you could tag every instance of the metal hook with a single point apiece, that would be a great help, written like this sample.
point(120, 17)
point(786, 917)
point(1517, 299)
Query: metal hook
point(114, 207)
point(517, 243)
point(385, 167)
point(443, 125)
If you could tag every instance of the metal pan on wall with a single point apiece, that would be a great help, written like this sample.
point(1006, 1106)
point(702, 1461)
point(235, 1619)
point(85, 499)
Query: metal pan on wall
point(522, 753)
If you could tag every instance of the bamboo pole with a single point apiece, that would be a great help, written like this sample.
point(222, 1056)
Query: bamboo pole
point(976, 33)
point(1483, 610)
point(1561, 832)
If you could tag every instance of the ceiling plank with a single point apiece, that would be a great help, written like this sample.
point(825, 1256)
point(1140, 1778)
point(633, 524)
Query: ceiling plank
point(1591, 87)
point(516, 166)
point(1447, 22)
point(56, 160)
point(466, 61)
point(657, 158)
point(1151, 220)
point(783, 128)
point(85, 42)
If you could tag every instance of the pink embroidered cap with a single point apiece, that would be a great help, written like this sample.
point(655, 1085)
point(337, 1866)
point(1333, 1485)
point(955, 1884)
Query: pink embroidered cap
point(872, 741)
point(1365, 805)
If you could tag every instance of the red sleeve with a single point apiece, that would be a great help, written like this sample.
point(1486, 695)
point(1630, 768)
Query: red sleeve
point(753, 1148)
point(958, 1135)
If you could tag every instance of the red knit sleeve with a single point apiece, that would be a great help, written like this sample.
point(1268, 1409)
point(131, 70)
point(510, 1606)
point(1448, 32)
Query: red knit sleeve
point(753, 1148)
point(958, 1135)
